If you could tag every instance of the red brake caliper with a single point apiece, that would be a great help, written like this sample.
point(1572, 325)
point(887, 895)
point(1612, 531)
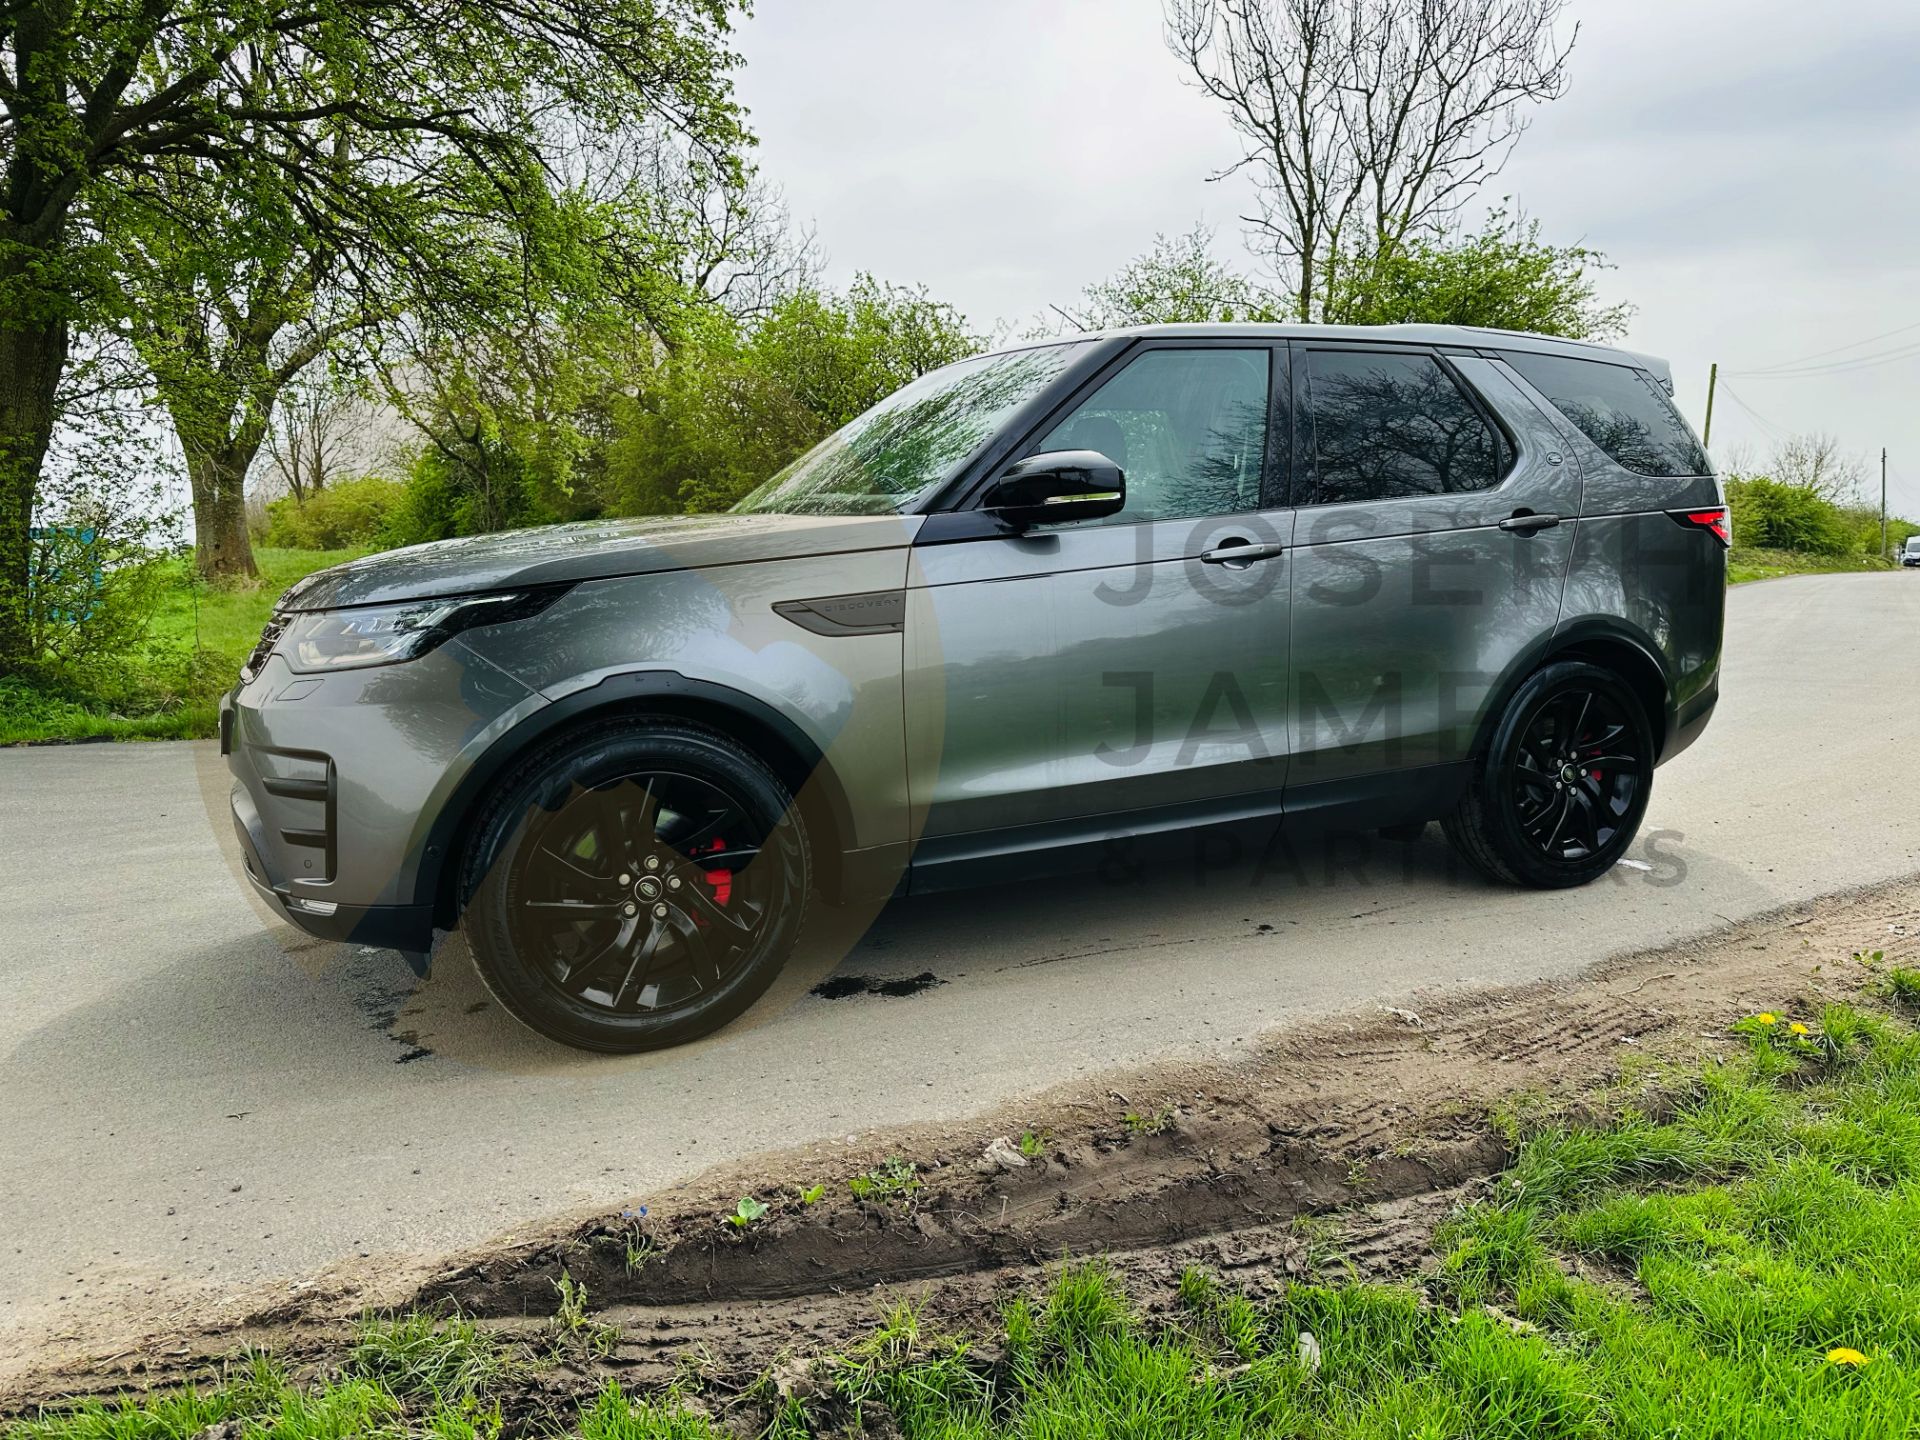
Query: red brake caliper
point(721, 880)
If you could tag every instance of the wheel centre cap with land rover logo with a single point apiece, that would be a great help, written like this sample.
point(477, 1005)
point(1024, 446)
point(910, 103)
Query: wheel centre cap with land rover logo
point(649, 887)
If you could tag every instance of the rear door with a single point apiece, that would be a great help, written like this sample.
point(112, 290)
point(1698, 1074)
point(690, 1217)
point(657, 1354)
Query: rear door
point(1117, 674)
point(1434, 524)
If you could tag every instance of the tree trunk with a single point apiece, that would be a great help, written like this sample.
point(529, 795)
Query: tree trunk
point(32, 359)
point(222, 548)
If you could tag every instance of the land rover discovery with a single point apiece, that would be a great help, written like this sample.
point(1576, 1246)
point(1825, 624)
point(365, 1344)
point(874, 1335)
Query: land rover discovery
point(1035, 607)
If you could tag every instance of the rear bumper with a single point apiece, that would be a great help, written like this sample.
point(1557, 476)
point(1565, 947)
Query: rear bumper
point(1691, 719)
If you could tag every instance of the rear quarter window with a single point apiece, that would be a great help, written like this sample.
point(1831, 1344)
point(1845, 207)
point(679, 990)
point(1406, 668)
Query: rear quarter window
point(1619, 409)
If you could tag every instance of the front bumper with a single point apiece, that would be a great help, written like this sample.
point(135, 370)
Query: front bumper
point(338, 780)
point(406, 928)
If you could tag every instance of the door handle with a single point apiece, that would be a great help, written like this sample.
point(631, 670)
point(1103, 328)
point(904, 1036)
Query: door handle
point(1525, 522)
point(1241, 555)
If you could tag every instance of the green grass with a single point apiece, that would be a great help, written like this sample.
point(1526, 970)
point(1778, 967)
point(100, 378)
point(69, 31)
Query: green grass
point(412, 1376)
point(1903, 984)
point(1745, 1265)
point(169, 687)
point(29, 714)
point(229, 618)
point(1772, 1218)
point(1746, 562)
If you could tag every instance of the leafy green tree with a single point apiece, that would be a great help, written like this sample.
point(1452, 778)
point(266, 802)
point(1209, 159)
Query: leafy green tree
point(702, 422)
point(1178, 281)
point(97, 96)
point(1772, 515)
point(507, 423)
point(727, 404)
point(348, 512)
point(637, 305)
point(222, 295)
point(1504, 276)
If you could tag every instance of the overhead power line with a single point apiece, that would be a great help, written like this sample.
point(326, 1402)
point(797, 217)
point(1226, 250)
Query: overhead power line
point(1767, 427)
point(1835, 367)
point(1838, 349)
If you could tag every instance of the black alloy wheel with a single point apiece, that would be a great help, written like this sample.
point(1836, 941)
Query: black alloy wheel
point(639, 895)
point(1575, 774)
point(636, 887)
point(1560, 792)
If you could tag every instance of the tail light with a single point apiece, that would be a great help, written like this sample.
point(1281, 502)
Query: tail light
point(1713, 521)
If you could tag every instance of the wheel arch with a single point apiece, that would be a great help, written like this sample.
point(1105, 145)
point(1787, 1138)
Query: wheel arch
point(755, 724)
point(1609, 643)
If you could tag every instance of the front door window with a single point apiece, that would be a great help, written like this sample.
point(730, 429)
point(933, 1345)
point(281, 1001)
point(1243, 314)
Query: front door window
point(1188, 428)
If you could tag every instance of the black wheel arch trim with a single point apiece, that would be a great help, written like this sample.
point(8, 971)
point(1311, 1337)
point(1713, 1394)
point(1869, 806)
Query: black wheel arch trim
point(1568, 642)
point(662, 692)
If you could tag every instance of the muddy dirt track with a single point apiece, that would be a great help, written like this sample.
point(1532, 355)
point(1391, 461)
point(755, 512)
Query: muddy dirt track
point(1381, 1119)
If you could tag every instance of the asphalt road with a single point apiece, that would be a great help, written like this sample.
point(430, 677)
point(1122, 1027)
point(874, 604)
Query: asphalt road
point(191, 1095)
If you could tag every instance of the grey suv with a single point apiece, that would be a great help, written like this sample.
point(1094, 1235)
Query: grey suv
point(1038, 610)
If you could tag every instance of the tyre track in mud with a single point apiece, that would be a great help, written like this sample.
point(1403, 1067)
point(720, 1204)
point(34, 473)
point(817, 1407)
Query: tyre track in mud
point(1381, 1106)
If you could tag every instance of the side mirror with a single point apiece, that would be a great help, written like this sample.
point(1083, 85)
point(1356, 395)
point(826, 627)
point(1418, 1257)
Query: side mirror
point(1059, 486)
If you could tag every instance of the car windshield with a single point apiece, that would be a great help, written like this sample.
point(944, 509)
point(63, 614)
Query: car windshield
point(913, 441)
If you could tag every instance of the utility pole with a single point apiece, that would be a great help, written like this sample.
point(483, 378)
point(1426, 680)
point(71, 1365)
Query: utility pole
point(1883, 502)
point(1713, 379)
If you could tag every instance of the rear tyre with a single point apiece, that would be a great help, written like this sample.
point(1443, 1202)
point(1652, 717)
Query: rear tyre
point(636, 885)
point(1560, 792)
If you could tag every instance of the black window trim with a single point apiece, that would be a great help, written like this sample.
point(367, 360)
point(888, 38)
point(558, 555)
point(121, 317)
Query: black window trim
point(1306, 470)
point(970, 494)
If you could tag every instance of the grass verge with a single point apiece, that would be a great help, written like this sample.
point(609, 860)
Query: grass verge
point(167, 688)
point(1745, 1262)
point(1747, 562)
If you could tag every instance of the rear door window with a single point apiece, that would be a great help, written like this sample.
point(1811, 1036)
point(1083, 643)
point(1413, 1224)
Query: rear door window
point(1618, 408)
point(1389, 426)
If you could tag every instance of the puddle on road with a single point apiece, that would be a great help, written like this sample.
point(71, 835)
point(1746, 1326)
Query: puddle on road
point(841, 987)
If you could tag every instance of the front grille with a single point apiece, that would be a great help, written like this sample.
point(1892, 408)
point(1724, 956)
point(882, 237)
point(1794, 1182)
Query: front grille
point(269, 637)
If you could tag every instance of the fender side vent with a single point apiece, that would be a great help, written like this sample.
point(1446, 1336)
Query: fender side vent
point(877, 612)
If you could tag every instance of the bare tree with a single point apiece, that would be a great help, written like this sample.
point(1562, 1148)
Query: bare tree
point(321, 431)
point(734, 240)
point(1366, 122)
point(1815, 462)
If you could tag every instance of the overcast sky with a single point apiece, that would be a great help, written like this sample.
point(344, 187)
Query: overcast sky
point(1751, 168)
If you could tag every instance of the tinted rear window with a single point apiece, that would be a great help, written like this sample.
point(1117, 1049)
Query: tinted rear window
point(1619, 409)
point(1387, 426)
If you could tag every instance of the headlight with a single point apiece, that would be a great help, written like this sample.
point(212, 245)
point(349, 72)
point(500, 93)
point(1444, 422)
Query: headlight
point(323, 640)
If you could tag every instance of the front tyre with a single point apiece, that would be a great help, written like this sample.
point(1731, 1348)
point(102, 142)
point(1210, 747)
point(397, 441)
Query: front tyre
point(1560, 793)
point(635, 885)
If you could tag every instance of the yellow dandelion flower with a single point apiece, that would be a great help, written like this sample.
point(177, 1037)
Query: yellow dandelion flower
point(1841, 1355)
point(1799, 1029)
point(1767, 1017)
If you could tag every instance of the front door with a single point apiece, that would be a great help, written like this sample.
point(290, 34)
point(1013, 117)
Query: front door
point(1118, 675)
point(1435, 520)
